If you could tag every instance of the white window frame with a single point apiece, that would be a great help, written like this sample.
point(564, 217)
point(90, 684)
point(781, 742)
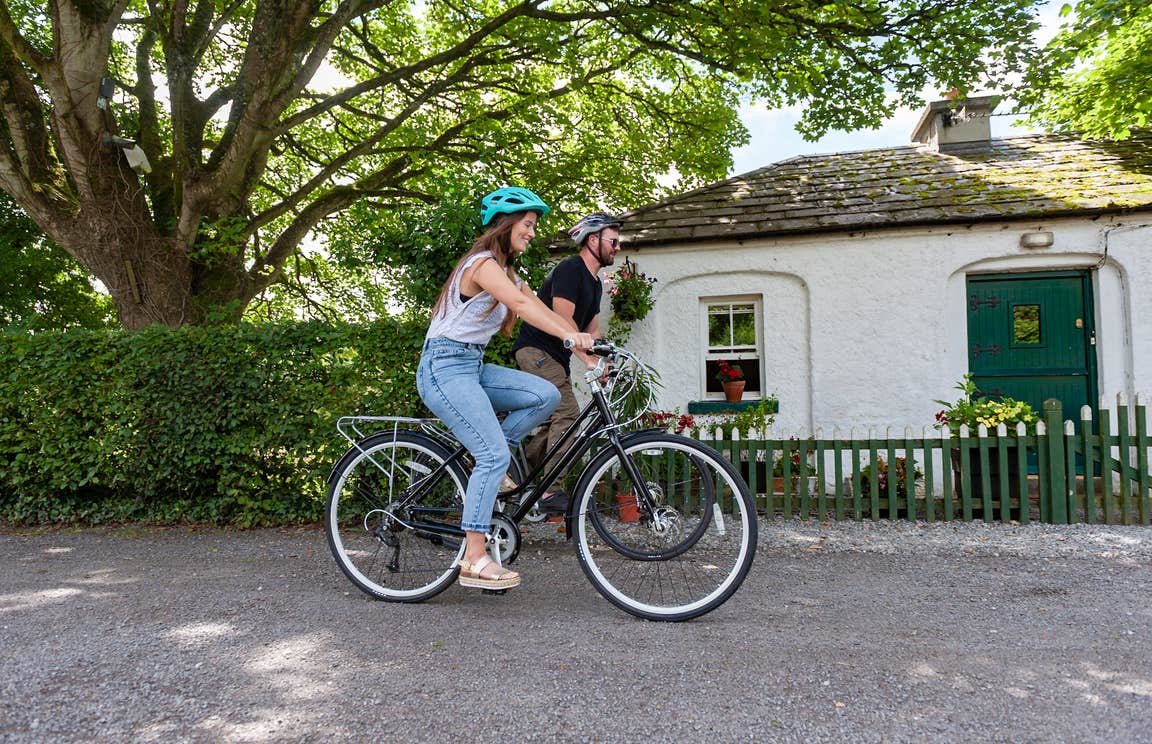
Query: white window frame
point(745, 355)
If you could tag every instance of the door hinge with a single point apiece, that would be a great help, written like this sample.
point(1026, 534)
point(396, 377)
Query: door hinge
point(977, 350)
point(975, 302)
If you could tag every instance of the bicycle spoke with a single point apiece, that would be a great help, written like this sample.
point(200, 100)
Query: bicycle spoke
point(378, 538)
point(679, 557)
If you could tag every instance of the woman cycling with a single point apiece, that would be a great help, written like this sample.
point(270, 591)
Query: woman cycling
point(481, 296)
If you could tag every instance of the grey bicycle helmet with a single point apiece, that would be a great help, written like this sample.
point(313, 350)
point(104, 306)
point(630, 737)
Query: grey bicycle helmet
point(508, 200)
point(592, 224)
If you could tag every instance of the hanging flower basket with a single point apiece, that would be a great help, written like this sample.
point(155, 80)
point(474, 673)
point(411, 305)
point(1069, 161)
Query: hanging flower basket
point(631, 293)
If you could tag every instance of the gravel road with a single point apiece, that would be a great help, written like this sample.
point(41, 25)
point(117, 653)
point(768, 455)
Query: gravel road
point(860, 632)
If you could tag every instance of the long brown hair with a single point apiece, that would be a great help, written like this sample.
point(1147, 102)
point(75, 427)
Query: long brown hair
point(497, 239)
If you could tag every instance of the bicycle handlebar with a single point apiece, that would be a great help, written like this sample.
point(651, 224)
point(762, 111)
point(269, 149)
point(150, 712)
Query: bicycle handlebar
point(604, 348)
point(600, 347)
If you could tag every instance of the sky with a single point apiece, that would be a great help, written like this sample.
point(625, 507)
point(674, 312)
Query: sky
point(774, 137)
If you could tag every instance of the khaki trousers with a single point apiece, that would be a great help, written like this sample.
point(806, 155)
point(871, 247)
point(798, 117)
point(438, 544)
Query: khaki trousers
point(540, 363)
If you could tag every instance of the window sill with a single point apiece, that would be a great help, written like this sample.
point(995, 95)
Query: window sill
point(723, 406)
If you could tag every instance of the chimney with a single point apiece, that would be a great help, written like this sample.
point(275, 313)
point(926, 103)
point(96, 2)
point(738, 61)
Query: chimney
point(947, 123)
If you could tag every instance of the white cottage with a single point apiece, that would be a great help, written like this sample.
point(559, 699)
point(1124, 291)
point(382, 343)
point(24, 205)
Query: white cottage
point(860, 286)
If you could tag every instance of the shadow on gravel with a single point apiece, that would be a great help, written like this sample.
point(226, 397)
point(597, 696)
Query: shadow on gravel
point(256, 636)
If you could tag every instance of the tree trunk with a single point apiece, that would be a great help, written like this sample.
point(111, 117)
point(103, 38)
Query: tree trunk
point(114, 235)
point(148, 281)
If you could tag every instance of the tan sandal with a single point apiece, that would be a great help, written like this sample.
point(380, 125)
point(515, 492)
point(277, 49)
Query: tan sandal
point(501, 578)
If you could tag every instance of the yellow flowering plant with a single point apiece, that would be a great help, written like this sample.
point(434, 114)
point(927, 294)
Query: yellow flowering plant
point(973, 409)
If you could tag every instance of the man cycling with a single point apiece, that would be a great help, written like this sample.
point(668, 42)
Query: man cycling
point(573, 291)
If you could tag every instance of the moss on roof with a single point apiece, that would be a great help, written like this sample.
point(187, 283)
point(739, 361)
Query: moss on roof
point(916, 184)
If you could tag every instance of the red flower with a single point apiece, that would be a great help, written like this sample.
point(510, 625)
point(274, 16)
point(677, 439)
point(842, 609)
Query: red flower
point(669, 419)
point(728, 372)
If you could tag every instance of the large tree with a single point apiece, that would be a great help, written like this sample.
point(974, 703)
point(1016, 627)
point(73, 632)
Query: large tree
point(585, 100)
point(1095, 75)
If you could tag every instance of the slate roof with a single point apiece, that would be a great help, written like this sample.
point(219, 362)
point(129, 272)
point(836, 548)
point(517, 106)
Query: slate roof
point(1000, 179)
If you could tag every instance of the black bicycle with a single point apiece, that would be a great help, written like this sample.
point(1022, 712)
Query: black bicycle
point(665, 527)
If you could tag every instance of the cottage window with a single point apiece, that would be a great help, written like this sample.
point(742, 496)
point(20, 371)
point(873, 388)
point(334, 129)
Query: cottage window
point(733, 332)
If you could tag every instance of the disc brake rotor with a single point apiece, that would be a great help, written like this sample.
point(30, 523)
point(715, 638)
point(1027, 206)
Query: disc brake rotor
point(667, 521)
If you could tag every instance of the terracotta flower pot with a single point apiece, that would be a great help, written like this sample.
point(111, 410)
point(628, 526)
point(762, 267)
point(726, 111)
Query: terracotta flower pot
point(629, 512)
point(734, 391)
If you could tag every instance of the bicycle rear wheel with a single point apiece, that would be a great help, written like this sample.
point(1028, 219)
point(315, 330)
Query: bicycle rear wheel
point(390, 548)
point(690, 554)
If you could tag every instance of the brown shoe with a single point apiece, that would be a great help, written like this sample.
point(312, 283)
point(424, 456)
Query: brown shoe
point(553, 503)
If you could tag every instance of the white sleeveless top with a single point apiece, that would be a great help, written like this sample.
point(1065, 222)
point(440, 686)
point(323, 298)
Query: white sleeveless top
point(468, 322)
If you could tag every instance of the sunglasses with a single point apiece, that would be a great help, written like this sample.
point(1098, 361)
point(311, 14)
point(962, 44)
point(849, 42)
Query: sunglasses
point(614, 242)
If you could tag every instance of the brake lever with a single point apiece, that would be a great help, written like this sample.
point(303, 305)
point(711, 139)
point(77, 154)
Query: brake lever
point(595, 373)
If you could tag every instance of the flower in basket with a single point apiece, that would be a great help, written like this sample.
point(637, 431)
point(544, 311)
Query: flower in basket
point(884, 476)
point(630, 291)
point(973, 409)
point(726, 372)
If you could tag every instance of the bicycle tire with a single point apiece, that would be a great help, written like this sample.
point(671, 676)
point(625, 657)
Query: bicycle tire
point(677, 584)
point(376, 539)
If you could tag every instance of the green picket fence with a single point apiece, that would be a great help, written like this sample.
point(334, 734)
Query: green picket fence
point(1063, 472)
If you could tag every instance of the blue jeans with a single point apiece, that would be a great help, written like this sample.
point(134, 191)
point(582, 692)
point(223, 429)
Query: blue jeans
point(466, 394)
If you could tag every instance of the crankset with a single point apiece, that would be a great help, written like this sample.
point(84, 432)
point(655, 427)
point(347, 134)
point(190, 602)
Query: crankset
point(503, 539)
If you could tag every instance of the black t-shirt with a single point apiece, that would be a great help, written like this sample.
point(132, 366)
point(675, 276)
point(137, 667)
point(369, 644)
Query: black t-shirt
point(571, 281)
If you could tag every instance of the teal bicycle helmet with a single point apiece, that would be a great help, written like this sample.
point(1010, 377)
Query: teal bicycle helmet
point(508, 200)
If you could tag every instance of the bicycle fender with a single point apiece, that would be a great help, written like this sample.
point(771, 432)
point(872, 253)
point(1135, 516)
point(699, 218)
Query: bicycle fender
point(367, 441)
point(336, 466)
point(332, 473)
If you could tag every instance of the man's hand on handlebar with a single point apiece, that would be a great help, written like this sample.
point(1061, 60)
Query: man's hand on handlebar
point(594, 356)
point(582, 341)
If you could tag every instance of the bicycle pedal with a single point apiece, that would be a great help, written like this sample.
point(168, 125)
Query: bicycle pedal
point(494, 591)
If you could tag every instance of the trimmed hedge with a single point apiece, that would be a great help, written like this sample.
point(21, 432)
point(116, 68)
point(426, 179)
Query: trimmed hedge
point(230, 425)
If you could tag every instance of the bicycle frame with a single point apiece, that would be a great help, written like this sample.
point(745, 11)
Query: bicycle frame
point(394, 505)
point(602, 424)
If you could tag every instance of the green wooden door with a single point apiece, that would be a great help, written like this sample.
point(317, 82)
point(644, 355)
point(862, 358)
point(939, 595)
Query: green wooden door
point(1032, 337)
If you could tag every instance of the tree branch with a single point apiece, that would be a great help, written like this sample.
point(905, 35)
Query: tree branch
point(28, 136)
point(267, 270)
point(222, 21)
point(12, 36)
point(459, 51)
point(15, 182)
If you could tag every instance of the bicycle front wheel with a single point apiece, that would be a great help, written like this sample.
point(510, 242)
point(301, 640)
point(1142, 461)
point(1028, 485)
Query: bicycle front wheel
point(392, 506)
point(686, 555)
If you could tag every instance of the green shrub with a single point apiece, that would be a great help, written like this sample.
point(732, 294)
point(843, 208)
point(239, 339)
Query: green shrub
point(227, 425)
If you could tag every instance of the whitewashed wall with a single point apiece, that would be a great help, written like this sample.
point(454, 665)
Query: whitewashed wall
point(869, 328)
